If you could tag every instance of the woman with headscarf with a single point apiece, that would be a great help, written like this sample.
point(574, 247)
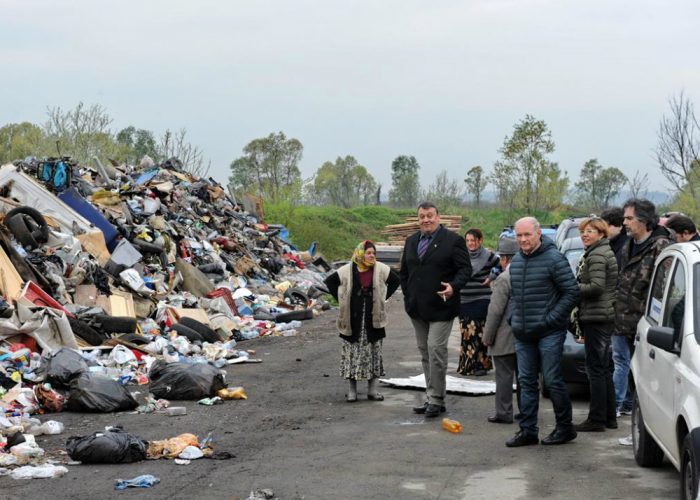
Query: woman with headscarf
point(361, 288)
point(474, 303)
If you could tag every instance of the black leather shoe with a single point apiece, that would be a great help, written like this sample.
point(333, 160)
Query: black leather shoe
point(495, 419)
point(611, 424)
point(422, 408)
point(590, 426)
point(434, 410)
point(559, 437)
point(522, 439)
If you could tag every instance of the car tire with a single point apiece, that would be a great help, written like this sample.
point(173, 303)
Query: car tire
point(689, 469)
point(207, 333)
point(187, 332)
point(86, 332)
point(28, 226)
point(299, 315)
point(646, 452)
point(114, 324)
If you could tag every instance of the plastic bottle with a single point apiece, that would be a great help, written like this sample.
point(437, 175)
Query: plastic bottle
point(451, 425)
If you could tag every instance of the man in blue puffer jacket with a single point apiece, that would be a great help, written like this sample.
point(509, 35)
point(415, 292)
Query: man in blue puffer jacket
point(544, 292)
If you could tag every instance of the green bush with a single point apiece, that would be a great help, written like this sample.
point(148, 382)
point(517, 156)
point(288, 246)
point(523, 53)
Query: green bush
point(338, 230)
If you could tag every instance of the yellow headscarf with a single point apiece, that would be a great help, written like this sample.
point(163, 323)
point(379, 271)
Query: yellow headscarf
point(358, 257)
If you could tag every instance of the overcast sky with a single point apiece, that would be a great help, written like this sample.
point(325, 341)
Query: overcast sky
point(444, 81)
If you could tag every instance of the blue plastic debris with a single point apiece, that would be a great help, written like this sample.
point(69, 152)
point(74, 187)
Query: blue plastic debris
point(145, 481)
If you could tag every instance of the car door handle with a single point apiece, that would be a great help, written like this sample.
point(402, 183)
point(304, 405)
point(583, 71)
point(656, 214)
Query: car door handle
point(652, 354)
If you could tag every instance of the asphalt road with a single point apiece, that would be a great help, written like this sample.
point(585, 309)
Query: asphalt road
point(298, 437)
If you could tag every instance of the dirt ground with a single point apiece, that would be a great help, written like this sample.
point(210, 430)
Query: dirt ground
point(297, 436)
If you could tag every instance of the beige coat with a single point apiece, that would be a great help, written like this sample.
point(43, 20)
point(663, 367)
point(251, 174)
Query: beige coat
point(497, 329)
point(379, 317)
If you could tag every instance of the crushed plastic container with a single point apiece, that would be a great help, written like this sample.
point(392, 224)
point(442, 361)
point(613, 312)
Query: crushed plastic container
point(451, 425)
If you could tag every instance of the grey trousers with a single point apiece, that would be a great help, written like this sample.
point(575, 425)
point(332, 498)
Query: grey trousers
point(506, 371)
point(432, 337)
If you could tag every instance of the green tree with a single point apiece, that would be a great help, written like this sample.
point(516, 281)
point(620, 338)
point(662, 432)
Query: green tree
point(446, 193)
point(524, 155)
point(139, 142)
point(598, 186)
point(344, 183)
point(269, 167)
point(19, 140)
point(405, 187)
point(476, 182)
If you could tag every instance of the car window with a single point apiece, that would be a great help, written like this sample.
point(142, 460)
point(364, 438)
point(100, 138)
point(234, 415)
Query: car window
point(572, 232)
point(657, 290)
point(573, 256)
point(674, 306)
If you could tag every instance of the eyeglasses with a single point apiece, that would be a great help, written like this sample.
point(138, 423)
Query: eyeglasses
point(589, 231)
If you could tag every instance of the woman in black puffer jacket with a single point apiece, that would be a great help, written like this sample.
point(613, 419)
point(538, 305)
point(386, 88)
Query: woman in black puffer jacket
point(597, 277)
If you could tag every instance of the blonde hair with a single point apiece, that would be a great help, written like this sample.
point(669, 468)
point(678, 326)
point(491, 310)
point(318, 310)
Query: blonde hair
point(596, 223)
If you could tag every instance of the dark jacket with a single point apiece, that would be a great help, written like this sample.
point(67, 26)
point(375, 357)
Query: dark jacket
point(544, 292)
point(634, 279)
point(598, 282)
point(617, 243)
point(446, 260)
point(362, 303)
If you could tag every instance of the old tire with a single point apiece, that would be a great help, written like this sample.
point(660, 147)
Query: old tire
point(646, 452)
point(134, 338)
point(294, 316)
point(207, 333)
point(297, 297)
point(114, 324)
point(86, 332)
point(187, 332)
point(28, 226)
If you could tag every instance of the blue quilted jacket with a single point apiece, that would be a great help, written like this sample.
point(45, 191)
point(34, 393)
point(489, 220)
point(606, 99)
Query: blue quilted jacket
point(544, 292)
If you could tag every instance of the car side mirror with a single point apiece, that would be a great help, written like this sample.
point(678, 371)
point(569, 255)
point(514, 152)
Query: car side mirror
point(662, 337)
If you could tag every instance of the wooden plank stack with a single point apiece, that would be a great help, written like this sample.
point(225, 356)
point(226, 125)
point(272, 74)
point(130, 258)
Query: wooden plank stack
point(396, 234)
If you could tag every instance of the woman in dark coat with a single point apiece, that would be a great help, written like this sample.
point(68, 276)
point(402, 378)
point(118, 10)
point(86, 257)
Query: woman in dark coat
point(474, 303)
point(597, 277)
point(361, 288)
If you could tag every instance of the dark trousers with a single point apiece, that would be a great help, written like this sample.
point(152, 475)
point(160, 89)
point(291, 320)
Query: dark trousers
point(542, 354)
point(597, 347)
point(506, 371)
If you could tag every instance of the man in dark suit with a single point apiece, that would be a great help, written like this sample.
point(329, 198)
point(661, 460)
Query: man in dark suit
point(434, 267)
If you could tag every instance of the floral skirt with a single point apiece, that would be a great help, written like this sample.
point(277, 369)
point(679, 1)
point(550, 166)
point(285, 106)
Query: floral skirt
point(473, 354)
point(361, 360)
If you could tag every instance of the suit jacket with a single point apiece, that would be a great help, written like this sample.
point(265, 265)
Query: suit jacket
point(497, 330)
point(445, 260)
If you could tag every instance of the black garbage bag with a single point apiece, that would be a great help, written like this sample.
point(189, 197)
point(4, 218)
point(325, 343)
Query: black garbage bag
point(63, 366)
point(113, 446)
point(95, 393)
point(185, 381)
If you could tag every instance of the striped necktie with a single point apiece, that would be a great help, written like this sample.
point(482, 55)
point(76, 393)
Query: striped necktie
point(423, 245)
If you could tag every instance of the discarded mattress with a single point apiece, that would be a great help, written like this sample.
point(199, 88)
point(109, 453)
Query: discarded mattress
point(455, 385)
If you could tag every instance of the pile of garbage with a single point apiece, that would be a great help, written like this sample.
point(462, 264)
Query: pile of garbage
point(124, 275)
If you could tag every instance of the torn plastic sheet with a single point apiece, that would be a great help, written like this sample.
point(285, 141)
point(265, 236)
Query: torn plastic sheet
point(49, 327)
point(455, 385)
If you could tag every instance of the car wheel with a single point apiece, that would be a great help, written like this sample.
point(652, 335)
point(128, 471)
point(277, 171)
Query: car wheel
point(646, 452)
point(28, 226)
point(689, 470)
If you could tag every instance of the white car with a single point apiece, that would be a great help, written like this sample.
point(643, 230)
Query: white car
point(666, 368)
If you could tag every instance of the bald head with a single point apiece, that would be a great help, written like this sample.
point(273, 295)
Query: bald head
point(528, 234)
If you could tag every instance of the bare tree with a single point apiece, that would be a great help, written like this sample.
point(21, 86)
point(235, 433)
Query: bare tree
point(678, 148)
point(176, 145)
point(82, 132)
point(638, 185)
